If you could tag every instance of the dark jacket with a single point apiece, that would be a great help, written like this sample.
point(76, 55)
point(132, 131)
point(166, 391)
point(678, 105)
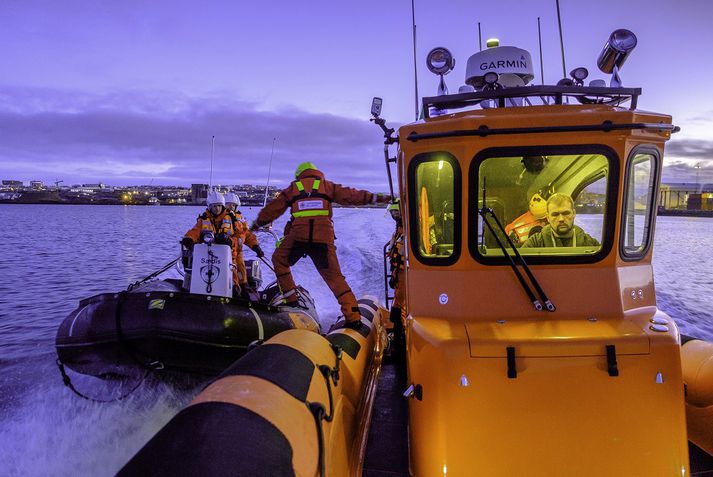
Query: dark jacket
point(547, 238)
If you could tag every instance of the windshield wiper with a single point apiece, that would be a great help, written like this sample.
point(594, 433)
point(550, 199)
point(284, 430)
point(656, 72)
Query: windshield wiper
point(483, 212)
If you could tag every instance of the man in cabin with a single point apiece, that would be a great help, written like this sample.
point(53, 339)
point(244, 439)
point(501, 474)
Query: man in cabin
point(242, 236)
point(560, 230)
point(310, 232)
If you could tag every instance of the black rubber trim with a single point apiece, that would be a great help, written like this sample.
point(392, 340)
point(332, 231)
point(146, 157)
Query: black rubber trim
point(612, 368)
point(367, 313)
point(214, 438)
point(512, 368)
point(348, 344)
point(281, 365)
point(366, 301)
point(361, 328)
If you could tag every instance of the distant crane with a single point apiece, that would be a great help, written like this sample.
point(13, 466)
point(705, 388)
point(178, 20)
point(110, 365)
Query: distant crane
point(57, 182)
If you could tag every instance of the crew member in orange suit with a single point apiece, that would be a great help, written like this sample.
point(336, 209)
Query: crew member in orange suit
point(310, 232)
point(242, 236)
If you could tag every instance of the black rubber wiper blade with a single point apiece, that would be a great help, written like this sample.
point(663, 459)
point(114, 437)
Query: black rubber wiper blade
point(548, 303)
point(535, 302)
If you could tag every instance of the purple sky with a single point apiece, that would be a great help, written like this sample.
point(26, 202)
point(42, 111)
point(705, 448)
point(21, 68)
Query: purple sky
point(126, 92)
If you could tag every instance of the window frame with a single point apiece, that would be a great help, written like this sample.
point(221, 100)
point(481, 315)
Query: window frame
point(653, 201)
point(474, 219)
point(413, 196)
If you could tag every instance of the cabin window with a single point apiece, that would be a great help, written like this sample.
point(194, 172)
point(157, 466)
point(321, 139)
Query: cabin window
point(554, 204)
point(639, 205)
point(434, 212)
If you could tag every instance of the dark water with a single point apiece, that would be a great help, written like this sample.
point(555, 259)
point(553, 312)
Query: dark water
point(55, 255)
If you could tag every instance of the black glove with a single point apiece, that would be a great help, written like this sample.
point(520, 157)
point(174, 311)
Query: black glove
point(258, 251)
point(222, 239)
point(392, 282)
point(187, 242)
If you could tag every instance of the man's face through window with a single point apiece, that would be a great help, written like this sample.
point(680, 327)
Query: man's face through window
point(560, 217)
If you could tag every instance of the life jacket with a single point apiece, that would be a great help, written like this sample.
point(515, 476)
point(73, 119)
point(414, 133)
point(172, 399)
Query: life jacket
point(396, 252)
point(519, 229)
point(308, 198)
point(225, 225)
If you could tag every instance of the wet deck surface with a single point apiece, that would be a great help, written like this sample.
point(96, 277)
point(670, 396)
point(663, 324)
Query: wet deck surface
point(387, 448)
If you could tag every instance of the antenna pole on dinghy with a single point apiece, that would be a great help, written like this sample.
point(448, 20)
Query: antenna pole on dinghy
point(269, 170)
point(212, 148)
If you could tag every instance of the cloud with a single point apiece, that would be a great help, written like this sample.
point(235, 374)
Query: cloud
point(699, 149)
point(132, 138)
point(687, 171)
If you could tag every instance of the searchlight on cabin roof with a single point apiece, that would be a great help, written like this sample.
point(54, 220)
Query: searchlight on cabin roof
point(440, 61)
point(615, 52)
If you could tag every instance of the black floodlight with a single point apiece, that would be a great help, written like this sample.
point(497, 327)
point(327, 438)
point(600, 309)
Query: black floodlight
point(376, 106)
point(616, 50)
point(440, 61)
point(565, 82)
point(579, 75)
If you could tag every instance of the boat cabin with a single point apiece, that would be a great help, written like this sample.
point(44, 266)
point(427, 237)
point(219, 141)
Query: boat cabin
point(534, 343)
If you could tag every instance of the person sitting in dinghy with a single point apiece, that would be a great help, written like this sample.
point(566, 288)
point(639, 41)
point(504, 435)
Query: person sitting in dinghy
point(242, 236)
point(215, 222)
point(560, 230)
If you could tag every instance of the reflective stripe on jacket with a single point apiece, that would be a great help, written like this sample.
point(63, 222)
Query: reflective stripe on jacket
point(312, 202)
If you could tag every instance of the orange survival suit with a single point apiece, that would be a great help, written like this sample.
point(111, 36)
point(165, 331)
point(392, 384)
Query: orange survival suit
point(310, 232)
point(221, 224)
point(529, 223)
point(243, 236)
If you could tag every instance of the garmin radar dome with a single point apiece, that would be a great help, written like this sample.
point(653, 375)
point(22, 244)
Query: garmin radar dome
point(512, 65)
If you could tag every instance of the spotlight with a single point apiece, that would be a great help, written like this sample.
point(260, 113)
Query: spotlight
point(579, 75)
point(616, 50)
point(440, 61)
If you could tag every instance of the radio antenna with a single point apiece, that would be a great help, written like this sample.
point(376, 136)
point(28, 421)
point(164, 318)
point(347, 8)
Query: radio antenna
point(542, 68)
point(559, 22)
point(269, 170)
point(415, 69)
point(480, 38)
point(212, 147)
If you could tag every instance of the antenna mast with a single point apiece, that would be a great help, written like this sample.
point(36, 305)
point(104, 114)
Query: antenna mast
point(559, 22)
point(542, 68)
point(415, 69)
point(480, 38)
point(212, 147)
point(269, 170)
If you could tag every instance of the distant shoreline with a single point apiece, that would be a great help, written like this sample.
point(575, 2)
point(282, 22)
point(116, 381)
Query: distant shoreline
point(13, 202)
